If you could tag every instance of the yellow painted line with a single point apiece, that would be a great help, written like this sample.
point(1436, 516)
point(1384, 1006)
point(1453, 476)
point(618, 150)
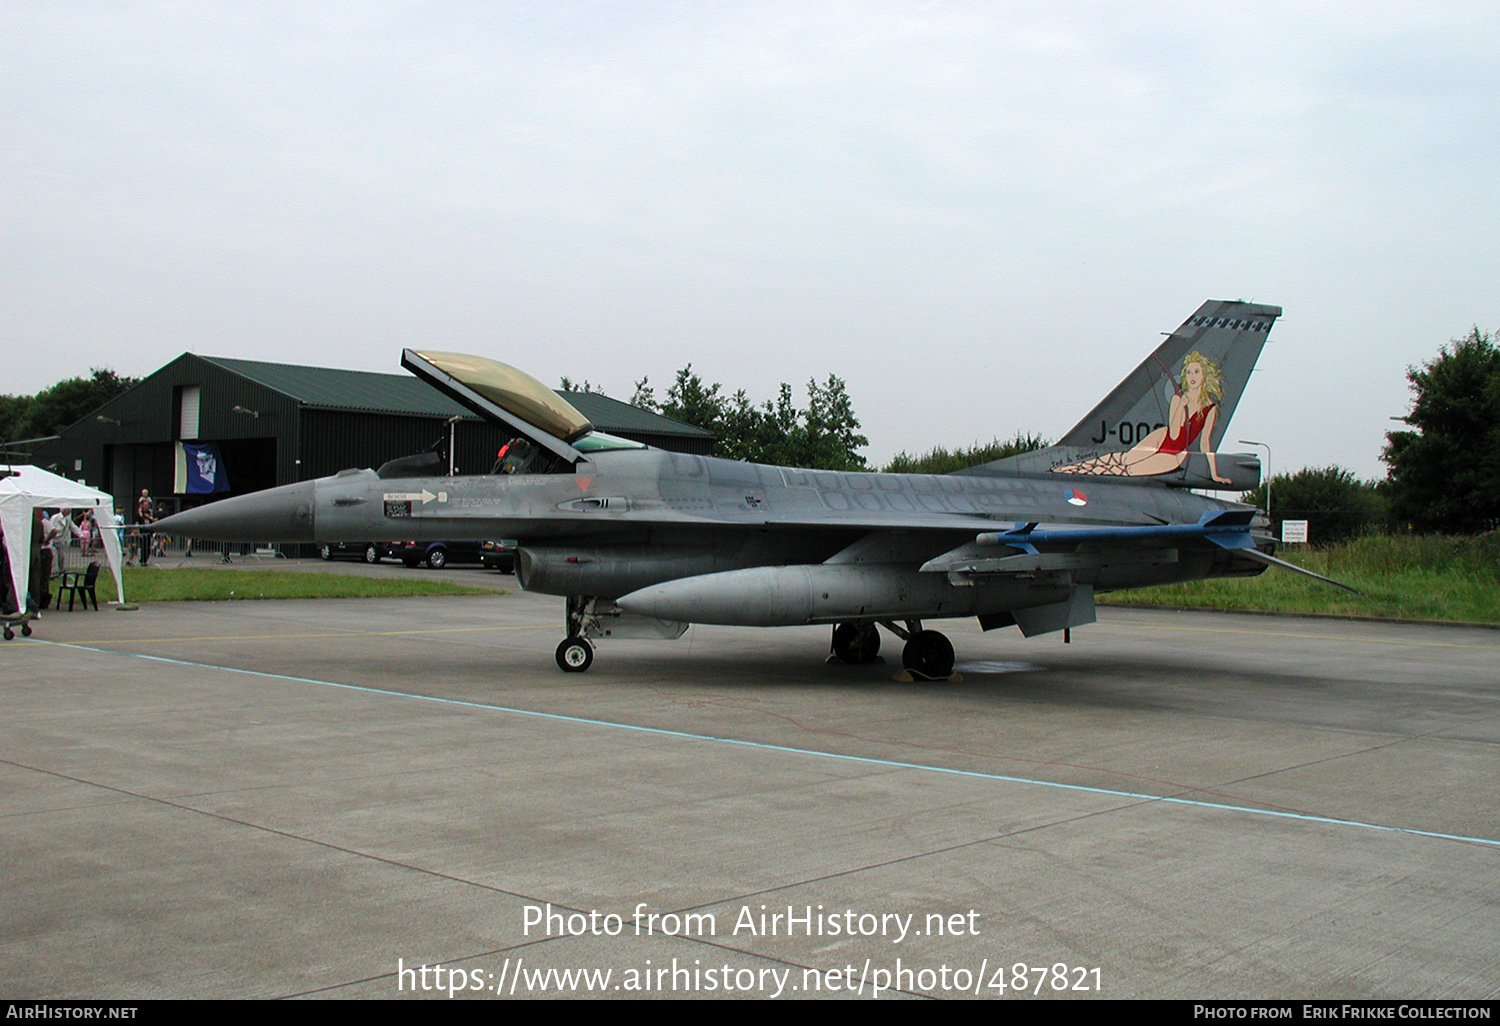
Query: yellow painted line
point(284, 637)
point(1294, 634)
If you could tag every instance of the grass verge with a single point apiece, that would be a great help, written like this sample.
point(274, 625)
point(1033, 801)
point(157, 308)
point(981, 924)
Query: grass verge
point(188, 584)
point(1406, 577)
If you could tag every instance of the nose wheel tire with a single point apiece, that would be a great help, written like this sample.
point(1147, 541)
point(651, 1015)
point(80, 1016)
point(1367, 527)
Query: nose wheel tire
point(575, 655)
point(372, 554)
point(928, 655)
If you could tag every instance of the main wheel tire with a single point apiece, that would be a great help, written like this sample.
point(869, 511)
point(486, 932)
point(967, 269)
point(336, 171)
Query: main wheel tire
point(326, 552)
point(437, 559)
point(856, 642)
point(372, 554)
point(575, 655)
point(928, 654)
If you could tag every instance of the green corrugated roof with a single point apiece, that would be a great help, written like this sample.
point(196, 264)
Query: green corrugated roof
point(608, 414)
point(330, 388)
point(370, 392)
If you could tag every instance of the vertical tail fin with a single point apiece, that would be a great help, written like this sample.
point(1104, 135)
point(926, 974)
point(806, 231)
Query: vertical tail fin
point(1227, 333)
point(1166, 420)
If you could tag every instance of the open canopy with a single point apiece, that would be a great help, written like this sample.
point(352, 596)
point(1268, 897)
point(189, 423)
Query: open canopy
point(498, 384)
point(25, 489)
point(503, 395)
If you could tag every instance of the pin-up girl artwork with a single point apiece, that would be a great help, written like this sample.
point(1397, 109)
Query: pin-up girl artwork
point(1192, 417)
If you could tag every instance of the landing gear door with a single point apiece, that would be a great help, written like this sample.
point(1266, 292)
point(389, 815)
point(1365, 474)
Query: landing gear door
point(603, 619)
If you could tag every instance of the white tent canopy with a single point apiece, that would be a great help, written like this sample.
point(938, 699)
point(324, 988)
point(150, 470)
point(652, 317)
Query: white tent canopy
point(27, 489)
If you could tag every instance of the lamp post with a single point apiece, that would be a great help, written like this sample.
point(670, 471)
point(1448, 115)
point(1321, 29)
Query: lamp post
point(1263, 445)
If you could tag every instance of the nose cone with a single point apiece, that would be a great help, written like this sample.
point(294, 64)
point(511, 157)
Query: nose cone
point(282, 514)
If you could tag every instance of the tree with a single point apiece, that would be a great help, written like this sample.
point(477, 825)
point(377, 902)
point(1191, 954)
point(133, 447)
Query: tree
point(823, 436)
point(1444, 475)
point(692, 402)
point(1336, 505)
point(645, 396)
point(15, 410)
point(828, 434)
point(62, 405)
point(941, 461)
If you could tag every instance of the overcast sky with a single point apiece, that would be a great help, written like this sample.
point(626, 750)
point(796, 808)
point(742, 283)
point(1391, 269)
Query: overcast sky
point(980, 215)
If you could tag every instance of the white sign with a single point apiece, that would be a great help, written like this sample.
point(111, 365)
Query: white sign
point(1293, 531)
point(424, 496)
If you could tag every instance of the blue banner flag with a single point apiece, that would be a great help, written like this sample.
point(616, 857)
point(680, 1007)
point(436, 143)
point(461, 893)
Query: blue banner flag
point(200, 470)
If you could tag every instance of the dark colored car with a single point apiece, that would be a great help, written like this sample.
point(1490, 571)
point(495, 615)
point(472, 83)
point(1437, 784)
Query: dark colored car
point(439, 554)
point(499, 555)
point(370, 552)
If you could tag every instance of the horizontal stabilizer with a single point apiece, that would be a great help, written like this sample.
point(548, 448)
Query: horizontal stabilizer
point(1273, 561)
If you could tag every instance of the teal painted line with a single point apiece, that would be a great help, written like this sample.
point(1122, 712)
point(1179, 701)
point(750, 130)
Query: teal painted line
point(863, 759)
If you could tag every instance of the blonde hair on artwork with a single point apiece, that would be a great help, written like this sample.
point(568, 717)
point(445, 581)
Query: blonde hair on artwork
point(1213, 380)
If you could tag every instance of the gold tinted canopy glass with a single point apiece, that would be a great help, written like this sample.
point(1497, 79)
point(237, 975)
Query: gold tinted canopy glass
point(514, 391)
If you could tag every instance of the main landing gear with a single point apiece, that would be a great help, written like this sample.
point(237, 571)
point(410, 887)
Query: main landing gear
point(856, 642)
point(927, 655)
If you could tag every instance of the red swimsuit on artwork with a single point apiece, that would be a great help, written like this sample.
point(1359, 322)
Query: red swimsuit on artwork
point(1174, 444)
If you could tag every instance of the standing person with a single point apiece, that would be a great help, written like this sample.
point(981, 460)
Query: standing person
point(40, 596)
point(117, 522)
point(49, 540)
point(85, 531)
point(9, 603)
point(145, 514)
point(59, 533)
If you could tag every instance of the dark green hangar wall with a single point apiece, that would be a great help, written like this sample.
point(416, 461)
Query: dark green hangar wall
point(335, 440)
point(129, 443)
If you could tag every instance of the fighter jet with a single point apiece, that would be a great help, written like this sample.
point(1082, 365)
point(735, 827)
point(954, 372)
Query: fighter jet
point(642, 542)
